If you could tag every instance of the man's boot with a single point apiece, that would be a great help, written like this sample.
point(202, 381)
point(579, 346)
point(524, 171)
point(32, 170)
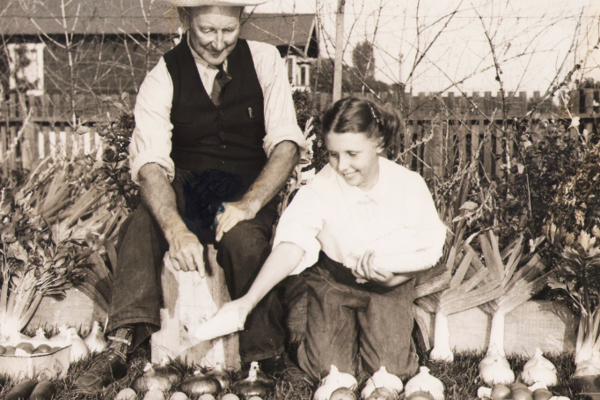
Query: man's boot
point(109, 366)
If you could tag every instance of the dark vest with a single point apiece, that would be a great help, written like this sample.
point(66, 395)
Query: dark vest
point(228, 138)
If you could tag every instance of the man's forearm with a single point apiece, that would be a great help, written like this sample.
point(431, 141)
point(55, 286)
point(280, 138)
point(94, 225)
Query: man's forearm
point(283, 159)
point(158, 196)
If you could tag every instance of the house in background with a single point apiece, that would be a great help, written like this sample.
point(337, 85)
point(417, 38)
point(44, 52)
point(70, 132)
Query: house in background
point(69, 61)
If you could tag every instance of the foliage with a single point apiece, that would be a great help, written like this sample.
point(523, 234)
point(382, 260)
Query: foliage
point(352, 79)
point(114, 174)
point(50, 227)
point(364, 60)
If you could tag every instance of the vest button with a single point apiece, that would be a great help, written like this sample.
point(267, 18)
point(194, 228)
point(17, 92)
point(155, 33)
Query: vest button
point(223, 147)
point(222, 161)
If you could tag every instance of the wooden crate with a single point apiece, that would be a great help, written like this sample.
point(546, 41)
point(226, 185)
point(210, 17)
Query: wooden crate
point(188, 301)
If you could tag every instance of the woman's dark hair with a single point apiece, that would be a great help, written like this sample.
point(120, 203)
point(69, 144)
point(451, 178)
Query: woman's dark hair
point(361, 115)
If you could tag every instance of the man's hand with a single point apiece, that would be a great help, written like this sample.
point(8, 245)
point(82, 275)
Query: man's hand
point(185, 252)
point(234, 213)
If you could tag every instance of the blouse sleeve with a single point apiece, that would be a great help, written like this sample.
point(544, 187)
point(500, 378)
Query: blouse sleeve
point(430, 232)
point(300, 224)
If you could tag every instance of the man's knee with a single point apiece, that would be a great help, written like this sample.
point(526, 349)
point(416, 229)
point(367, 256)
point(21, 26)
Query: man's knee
point(244, 238)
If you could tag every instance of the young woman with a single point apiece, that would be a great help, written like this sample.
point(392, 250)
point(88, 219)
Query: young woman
point(359, 232)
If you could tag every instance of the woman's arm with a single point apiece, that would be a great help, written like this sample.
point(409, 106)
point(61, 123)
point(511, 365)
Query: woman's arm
point(284, 258)
point(366, 270)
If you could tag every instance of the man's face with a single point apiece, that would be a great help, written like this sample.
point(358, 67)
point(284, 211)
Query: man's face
point(214, 32)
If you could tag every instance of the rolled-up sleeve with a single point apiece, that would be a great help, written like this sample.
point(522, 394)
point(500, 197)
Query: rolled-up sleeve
point(151, 139)
point(300, 224)
point(280, 115)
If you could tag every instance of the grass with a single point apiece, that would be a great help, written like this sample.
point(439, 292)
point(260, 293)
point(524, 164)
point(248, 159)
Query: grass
point(460, 378)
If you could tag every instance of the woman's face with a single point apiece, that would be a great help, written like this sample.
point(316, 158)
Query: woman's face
point(355, 157)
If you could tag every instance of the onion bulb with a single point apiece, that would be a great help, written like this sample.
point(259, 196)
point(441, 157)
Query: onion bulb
point(224, 377)
point(40, 338)
point(61, 337)
point(342, 379)
point(200, 384)
point(382, 379)
point(539, 369)
point(325, 391)
point(162, 377)
point(424, 382)
point(251, 386)
point(95, 339)
point(79, 350)
point(494, 369)
point(179, 396)
point(154, 394)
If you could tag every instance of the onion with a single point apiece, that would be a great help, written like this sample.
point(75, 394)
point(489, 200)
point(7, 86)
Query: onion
point(95, 339)
point(126, 394)
point(206, 396)
point(178, 396)
point(40, 338)
point(222, 376)
point(539, 369)
point(325, 391)
point(200, 384)
point(230, 396)
point(79, 350)
point(382, 379)
point(154, 394)
point(494, 369)
point(61, 337)
point(424, 382)
point(342, 379)
point(251, 386)
point(161, 377)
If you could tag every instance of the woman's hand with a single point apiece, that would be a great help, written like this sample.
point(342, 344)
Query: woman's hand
point(366, 270)
point(240, 308)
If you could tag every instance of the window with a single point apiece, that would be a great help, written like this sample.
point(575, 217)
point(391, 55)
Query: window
point(27, 67)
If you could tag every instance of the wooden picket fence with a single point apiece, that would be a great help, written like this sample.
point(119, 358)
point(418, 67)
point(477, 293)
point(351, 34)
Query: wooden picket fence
point(439, 131)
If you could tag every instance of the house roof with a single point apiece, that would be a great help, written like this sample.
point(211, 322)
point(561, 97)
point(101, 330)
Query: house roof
point(128, 17)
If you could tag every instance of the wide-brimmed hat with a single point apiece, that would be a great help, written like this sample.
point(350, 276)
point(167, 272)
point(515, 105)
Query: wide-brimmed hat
point(199, 3)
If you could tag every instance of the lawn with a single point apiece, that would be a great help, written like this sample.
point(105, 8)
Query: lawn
point(460, 377)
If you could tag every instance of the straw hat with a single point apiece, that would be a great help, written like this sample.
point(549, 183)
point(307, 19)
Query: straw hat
point(198, 3)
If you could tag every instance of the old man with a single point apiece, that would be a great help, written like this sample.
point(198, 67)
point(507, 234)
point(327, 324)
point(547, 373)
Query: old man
point(216, 139)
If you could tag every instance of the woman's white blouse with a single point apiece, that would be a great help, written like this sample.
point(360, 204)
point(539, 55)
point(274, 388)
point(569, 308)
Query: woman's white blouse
point(396, 219)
